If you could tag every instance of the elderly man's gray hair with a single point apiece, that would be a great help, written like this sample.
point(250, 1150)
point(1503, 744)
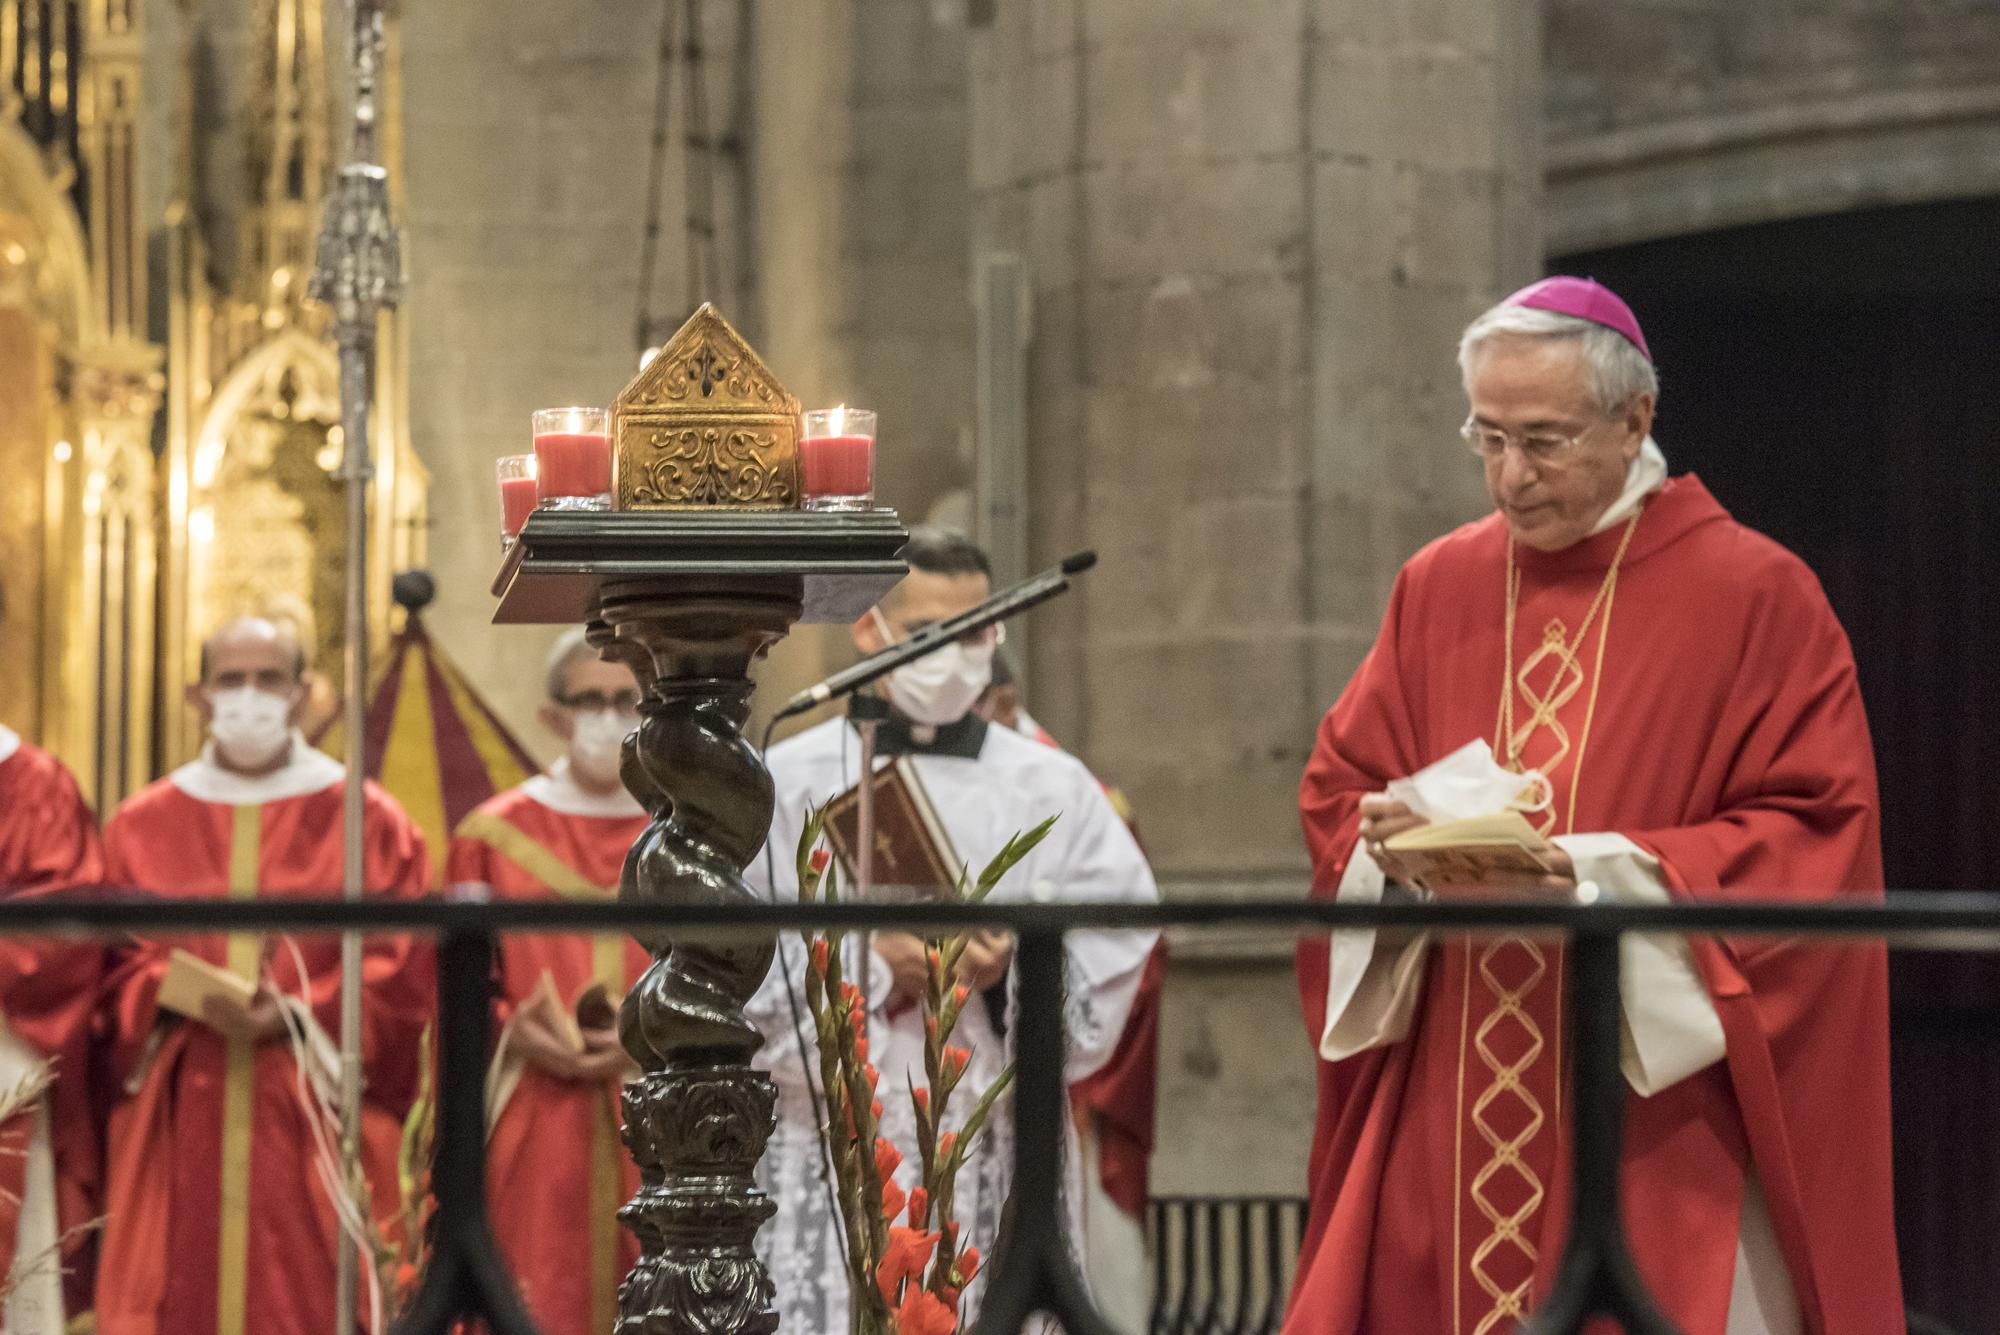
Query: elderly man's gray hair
point(1617, 372)
point(570, 647)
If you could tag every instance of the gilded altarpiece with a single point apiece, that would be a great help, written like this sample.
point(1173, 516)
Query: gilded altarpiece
point(120, 545)
point(79, 386)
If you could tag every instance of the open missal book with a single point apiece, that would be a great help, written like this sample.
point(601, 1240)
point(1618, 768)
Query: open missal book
point(914, 858)
point(191, 980)
point(1470, 852)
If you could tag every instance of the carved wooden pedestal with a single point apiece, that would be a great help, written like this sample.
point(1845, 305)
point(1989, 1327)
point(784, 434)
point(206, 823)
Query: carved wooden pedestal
point(691, 601)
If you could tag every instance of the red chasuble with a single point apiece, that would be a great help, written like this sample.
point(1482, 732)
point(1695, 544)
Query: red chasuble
point(556, 1171)
point(217, 1223)
point(48, 844)
point(1720, 728)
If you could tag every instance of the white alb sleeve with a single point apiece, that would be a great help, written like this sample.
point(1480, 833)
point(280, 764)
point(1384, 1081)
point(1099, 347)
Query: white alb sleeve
point(1370, 994)
point(1671, 1029)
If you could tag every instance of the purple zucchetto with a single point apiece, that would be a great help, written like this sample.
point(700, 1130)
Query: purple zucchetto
point(1586, 299)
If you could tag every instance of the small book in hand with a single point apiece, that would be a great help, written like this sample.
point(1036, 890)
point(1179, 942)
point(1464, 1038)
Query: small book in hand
point(1484, 849)
point(191, 981)
point(559, 1014)
point(913, 856)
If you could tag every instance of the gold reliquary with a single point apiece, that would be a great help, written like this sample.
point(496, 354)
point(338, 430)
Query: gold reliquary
point(705, 425)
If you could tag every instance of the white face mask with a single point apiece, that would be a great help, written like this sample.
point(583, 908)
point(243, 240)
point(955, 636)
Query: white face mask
point(251, 728)
point(596, 742)
point(941, 687)
point(1469, 783)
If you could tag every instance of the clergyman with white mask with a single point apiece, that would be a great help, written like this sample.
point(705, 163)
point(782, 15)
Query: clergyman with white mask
point(554, 1170)
point(986, 784)
point(235, 1105)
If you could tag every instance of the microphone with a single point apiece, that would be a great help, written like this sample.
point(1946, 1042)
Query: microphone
point(1009, 602)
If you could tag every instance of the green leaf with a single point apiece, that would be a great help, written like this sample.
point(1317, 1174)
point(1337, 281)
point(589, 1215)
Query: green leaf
point(1005, 860)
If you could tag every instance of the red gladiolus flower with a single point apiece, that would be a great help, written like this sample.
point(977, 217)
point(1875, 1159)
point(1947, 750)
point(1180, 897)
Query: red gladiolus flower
point(923, 1098)
point(887, 1158)
point(924, 1313)
point(820, 857)
point(850, 994)
point(920, 1206)
point(966, 1266)
point(818, 961)
point(892, 1199)
point(861, 1050)
point(960, 994)
point(951, 1236)
point(932, 958)
point(857, 1020)
point(950, 1296)
point(930, 1027)
point(946, 1144)
point(875, 1106)
point(955, 1060)
point(908, 1252)
point(868, 1073)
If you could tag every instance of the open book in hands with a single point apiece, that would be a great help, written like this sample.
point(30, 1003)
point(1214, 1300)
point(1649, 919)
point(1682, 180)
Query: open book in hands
point(192, 983)
point(1479, 851)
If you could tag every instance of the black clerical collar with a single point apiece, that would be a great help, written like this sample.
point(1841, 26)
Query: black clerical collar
point(963, 739)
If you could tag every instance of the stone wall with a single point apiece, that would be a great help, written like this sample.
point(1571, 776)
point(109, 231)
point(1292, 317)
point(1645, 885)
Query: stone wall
point(526, 138)
point(1675, 118)
point(1254, 234)
point(861, 207)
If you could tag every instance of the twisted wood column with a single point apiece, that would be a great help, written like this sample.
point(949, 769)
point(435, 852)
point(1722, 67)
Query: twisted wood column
point(698, 1118)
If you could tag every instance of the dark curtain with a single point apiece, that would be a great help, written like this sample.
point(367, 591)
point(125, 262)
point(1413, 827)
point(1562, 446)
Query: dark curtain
point(1836, 383)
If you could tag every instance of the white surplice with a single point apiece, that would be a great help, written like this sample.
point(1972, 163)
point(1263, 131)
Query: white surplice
point(1013, 785)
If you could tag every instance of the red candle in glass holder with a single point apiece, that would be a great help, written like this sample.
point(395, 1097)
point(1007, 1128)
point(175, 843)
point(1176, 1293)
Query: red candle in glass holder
point(516, 475)
point(573, 458)
point(517, 502)
point(837, 458)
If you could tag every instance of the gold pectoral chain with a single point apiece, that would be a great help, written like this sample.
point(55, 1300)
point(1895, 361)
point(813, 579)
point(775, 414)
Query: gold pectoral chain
point(1569, 676)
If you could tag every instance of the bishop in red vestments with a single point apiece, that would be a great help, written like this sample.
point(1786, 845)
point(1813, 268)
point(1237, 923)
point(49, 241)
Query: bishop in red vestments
point(48, 1153)
point(219, 1219)
point(1683, 687)
point(556, 1172)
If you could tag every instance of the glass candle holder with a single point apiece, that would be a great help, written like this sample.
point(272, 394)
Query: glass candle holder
point(573, 458)
point(517, 494)
point(837, 458)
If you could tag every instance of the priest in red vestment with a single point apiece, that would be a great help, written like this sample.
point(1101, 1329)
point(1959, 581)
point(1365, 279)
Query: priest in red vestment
point(556, 1171)
point(48, 1152)
point(1689, 701)
point(220, 1157)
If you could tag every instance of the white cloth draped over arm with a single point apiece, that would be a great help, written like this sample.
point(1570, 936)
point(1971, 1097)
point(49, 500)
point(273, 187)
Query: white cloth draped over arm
point(1091, 857)
point(1670, 1026)
point(1371, 994)
point(1670, 1029)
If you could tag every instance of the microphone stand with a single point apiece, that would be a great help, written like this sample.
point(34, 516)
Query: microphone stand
point(866, 712)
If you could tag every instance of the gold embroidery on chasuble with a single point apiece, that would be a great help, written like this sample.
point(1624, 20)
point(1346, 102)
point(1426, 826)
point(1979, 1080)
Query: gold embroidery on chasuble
point(243, 957)
point(1510, 1058)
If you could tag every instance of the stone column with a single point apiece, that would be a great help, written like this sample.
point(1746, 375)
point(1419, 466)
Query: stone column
point(1254, 234)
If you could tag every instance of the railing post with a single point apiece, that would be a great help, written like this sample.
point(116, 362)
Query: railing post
point(1597, 1276)
point(1035, 1270)
point(465, 1276)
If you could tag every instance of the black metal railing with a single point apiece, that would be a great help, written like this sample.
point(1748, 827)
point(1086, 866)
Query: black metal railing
point(1033, 1270)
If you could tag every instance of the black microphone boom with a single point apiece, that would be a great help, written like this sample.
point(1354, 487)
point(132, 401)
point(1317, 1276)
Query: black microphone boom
point(1009, 602)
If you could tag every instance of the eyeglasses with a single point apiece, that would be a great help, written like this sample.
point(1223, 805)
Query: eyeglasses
point(591, 702)
point(995, 634)
point(1540, 448)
